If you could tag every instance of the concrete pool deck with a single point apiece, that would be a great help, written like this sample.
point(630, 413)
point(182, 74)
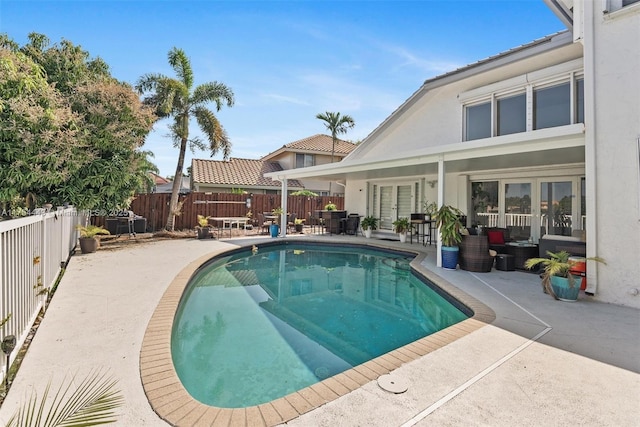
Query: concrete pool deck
point(540, 362)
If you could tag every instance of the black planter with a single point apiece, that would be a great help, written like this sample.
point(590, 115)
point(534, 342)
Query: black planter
point(204, 233)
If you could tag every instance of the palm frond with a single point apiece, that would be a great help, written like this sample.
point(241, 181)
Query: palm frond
point(93, 402)
point(213, 130)
point(213, 92)
point(182, 66)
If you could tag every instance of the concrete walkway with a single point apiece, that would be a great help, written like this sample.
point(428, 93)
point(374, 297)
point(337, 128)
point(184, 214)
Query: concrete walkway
point(541, 362)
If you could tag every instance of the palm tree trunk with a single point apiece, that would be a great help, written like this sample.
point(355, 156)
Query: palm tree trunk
point(177, 183)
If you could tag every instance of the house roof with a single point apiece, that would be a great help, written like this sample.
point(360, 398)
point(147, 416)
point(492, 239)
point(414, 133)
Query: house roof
point(543, 44)
point(237, 172)
point(157, 179)
point(167, 187)
point(316, 144)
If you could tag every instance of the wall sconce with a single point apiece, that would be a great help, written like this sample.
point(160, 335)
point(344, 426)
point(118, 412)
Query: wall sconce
point(432, 183)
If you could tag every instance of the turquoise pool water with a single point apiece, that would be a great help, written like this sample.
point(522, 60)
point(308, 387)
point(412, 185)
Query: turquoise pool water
point(255, 327)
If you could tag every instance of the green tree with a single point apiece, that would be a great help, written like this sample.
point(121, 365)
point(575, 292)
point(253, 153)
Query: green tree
point(38, 130)
point(178, 99)
point(337, 124)
point(71, 132)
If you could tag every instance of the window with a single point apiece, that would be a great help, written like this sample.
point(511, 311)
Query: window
point(512, 114)
point(478, 121)
point(559, 101)
point(629, 2)
point(552, 106)
point(304, 160)
point(580, 101)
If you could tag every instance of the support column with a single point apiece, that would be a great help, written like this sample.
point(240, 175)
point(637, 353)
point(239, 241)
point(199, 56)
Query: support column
point(283, 205)
point(441, 173)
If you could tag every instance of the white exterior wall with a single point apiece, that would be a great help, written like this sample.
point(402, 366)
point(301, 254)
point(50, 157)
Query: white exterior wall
point(612, 42)
point(436, 118)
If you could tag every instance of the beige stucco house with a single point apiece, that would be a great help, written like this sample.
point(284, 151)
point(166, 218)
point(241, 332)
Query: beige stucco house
point(543, 139)
point(249, 174)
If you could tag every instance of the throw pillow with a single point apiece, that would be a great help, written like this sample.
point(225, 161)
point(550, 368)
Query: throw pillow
point(495, 237)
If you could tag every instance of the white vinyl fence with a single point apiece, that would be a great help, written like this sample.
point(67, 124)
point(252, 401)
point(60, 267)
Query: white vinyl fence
point(33, 250)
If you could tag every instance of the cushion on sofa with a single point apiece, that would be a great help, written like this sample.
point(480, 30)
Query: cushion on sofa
point(495, 237)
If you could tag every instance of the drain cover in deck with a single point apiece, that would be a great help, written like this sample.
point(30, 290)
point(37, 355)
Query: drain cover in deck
point(392, 384)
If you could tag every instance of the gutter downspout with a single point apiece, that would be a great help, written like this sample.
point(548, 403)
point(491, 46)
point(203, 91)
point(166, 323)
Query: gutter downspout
point(591, 177)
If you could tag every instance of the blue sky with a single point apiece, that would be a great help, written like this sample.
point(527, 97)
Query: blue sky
point(286, 61)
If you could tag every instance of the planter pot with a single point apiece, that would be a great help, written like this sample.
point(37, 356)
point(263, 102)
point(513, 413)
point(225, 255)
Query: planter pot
point(299, 228)
point(450, 257)
point(367, 233)
point(88, 245)
point(274, 229)
point(204, 233)
point(563, 289)
point(403, 237)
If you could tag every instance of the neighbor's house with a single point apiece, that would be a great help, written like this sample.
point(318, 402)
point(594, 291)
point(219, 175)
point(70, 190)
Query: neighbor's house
point(219, 176)
point(543, 139)
point(248, 175)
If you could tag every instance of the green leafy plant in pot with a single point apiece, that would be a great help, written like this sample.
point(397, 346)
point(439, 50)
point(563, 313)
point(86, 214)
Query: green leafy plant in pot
point(401, 226)
point(448, 222)
point(89, 242)
point(557, 279)
point(203, 227)
point(369, 223)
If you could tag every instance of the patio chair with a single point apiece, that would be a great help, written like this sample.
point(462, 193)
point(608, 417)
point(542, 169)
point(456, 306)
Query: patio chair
point(263, 224)
point(474, 254)
point(291, 222)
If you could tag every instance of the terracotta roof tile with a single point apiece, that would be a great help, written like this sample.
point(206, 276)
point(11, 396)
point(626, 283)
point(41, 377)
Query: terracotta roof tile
point(237, 172)
point(316, 144)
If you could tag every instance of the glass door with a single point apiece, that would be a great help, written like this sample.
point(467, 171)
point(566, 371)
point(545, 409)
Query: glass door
point(395, 201)
point(557, 207)
point(517, 209)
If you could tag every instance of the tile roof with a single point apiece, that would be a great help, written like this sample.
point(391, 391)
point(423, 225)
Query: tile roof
point(237, 172)
point(317, 144)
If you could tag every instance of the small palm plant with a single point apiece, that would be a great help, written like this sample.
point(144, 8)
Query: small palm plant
point(93, 402)
point(558, 264)
point(91, 231)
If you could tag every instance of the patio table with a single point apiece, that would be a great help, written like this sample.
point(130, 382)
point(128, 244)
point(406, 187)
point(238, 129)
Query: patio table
point(226, 223)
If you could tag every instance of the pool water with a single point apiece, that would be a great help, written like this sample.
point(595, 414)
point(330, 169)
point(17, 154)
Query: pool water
point(255, 327)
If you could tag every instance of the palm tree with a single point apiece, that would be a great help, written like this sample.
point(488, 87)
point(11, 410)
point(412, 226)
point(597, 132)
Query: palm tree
point(175, 98)
point(337, 124)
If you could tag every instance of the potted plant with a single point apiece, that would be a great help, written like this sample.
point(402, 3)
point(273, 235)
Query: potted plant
point(369, 223)
point(448, 222)
point(330, 206)
point(275, 226)
point(298, 223)
point(557, 279)
point(430, 209)
point(401, 226)
point(89, 237)
point(203, 227)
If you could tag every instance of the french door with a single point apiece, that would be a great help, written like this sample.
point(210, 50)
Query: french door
point(531, 208)
point(394, 201)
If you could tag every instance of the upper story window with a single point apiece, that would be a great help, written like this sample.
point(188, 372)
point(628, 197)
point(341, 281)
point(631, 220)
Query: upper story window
point(551, 106)
point(512, 114)
point(478, 121)
point(554, 102)
point(304, 160)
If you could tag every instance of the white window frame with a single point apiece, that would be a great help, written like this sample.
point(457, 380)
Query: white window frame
point(539, 79)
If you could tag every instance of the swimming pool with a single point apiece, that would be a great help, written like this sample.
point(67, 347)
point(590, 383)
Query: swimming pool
point(251, 328)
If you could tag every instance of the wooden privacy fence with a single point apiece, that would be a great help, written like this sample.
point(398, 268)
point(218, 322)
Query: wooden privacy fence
point(155, 207)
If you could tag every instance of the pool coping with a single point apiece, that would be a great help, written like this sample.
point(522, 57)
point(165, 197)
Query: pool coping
point(171, 401)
